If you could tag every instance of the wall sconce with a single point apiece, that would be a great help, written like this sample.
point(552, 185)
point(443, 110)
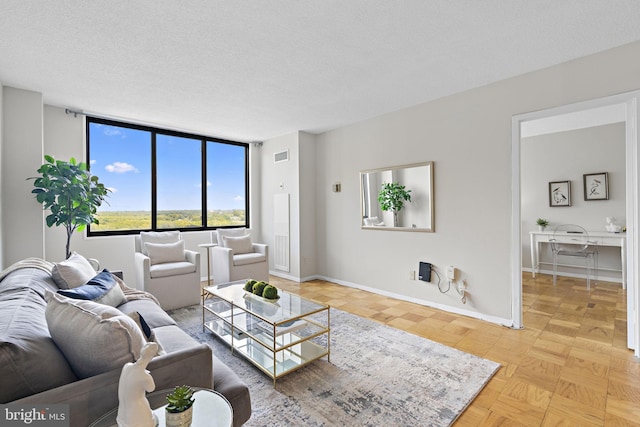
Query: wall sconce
point(336, 188)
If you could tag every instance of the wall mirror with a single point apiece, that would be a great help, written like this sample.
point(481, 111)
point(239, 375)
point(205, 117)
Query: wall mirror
point(398, 198)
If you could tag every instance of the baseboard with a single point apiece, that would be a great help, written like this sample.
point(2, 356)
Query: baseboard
point(284, 275)
point(492, 319)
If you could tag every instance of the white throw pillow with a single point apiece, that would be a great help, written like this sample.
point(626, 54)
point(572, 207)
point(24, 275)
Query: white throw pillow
point(229, 232)
point(239, 245)
point(94, 338)
point(160, 253)
point(157, 237)
point(72, 272)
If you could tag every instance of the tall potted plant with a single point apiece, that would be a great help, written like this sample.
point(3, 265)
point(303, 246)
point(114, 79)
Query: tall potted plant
point(392, 197)
point(70, 192)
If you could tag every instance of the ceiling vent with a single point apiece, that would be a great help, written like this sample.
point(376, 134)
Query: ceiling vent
point(282, 156)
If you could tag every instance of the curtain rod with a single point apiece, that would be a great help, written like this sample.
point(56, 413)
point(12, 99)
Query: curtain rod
point(154, 125)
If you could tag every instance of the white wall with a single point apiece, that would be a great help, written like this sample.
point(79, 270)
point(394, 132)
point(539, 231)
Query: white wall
point(468, 136)
point(563, 156)
point(296, 177)
point(22, 216)
point(281, 178)
point(308, 209)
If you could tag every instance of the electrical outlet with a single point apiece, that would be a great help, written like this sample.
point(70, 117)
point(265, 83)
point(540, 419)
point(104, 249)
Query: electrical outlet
point(462, 286)
point(451, 272)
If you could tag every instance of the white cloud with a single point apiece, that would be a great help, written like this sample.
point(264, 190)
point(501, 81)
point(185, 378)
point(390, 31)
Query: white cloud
point(92, 162)
point(112, 189)
point(199, 185)
point(238, 198)
point(111, 131)
point(120, 167)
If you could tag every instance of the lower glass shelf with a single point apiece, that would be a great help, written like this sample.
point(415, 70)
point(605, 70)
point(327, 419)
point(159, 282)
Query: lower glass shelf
point(277, 362)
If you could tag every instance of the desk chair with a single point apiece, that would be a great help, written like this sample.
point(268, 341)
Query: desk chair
point(573, 240)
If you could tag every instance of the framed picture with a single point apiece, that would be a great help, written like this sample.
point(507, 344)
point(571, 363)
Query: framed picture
point(596, 186)
point(560, 193)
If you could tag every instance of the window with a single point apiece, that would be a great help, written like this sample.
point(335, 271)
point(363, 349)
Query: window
point(165, 180)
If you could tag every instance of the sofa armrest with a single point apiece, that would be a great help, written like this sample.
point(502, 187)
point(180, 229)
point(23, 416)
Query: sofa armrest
point(92, 397)
point(143, 269)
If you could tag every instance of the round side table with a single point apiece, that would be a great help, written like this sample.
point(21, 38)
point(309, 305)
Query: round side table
point(210, 409)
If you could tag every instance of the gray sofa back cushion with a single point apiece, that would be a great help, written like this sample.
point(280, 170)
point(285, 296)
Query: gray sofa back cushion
point(30, 362)
point(95, 338)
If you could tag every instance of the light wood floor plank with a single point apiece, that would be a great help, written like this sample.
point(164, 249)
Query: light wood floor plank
point(568, 367)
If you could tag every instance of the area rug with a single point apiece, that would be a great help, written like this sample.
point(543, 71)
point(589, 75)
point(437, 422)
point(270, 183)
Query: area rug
point(378, 376)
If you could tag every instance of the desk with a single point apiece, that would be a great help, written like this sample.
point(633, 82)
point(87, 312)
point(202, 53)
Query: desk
point(601, 238)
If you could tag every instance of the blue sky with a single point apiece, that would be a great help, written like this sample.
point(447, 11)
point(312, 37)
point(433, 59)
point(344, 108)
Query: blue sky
point(121, 158)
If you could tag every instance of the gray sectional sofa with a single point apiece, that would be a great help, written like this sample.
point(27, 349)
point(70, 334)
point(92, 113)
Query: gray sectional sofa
point(34, 370)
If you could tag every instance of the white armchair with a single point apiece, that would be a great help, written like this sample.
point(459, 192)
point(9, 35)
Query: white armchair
point(236, 257)
point(166, 270)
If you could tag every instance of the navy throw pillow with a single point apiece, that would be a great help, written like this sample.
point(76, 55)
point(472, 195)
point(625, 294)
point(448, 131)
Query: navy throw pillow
point(102, 288)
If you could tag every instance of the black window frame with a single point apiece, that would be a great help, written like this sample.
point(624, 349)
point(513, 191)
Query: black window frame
point(153, 184)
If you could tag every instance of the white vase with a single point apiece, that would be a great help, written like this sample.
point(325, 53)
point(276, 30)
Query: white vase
point(541, 227)
point(179, 419)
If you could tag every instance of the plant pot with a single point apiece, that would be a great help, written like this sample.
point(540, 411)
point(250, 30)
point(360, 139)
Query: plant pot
point(541, 227)
point(179, 419)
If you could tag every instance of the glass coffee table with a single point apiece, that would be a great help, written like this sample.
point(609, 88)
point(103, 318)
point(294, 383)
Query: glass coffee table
point(277, 336)
point(210, 409)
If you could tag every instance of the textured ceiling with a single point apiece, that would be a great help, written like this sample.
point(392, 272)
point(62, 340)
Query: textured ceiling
point(251, 70)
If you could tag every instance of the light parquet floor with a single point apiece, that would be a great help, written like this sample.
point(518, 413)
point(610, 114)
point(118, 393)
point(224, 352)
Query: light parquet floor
point(568, 367)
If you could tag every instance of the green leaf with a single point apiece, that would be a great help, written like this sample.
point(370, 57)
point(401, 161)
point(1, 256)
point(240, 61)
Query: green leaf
point(69, 191)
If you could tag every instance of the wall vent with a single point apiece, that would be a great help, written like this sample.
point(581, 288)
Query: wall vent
point(282, 156)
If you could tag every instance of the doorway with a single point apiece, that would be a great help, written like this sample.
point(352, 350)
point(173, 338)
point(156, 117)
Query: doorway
point(627, 104)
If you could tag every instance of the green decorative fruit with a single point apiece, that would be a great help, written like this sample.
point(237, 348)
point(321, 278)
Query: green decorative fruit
point(258, 288)
point(248, 286)
point(270, 292)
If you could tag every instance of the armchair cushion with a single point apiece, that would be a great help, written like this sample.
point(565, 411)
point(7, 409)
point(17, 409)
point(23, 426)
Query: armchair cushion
point(106, 340)
point(72, 272)
point(229, 232)
point(239, 245)
point(161, 253)
point(102, 288)
point(171, 269)
point(157, 237)
point(251, 258)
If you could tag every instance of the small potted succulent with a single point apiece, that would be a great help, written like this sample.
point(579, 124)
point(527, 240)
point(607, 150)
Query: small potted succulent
point(179, 410)
point(542, 223)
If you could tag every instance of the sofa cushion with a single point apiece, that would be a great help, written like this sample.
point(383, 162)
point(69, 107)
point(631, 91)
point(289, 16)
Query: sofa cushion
point(30, 362)
point(239, 245)
point(171, 269)
point(229, 232)
point(161, 253)
point(95, 338)
point(102, 289)
point(157, 237)
point(153, 314)
point(252, 258)
point(72, 272)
